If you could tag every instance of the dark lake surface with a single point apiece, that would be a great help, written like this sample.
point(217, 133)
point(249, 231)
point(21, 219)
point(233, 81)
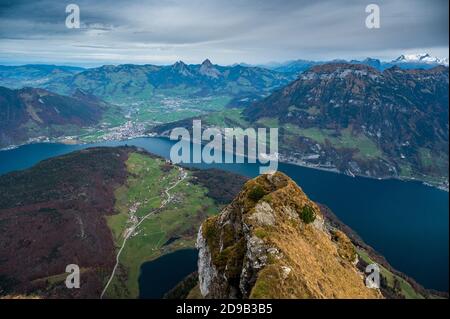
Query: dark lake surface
point(160, 275)
point(407, 222)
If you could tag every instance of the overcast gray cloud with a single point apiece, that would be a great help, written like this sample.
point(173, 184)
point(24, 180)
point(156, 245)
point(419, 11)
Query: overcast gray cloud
point(253, 31)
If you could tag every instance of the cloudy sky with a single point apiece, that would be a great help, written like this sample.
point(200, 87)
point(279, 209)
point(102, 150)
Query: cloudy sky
point(226, 31)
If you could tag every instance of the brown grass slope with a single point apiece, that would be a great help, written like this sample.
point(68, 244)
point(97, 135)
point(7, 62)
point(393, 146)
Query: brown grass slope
point(272, 242)
point(52, 215)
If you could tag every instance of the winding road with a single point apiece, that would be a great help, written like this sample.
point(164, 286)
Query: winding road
point(131, 230)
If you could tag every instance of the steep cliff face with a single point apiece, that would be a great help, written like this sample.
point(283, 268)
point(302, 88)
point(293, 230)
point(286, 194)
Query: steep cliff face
point(272, 242)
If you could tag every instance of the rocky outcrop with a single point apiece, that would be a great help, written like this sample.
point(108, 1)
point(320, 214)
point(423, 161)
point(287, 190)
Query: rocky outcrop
point(272, 242)
point(208, 69)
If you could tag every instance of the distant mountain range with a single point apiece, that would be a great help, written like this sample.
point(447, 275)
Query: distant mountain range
point(136, 82)
point(421, 58)
point(133, 82)
point(30, 113)
point(413, 61)
point(366, 117)
point(145, 93)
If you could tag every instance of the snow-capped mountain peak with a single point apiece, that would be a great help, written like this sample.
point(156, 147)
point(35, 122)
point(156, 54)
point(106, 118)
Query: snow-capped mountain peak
point(420, 58)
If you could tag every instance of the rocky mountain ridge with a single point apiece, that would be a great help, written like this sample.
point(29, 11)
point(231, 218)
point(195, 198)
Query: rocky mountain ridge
point(359, 119)
point(136, 82)
point(404, 61)
point(272, 242)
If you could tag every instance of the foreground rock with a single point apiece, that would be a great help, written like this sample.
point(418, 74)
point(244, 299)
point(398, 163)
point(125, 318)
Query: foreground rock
point(272, 242)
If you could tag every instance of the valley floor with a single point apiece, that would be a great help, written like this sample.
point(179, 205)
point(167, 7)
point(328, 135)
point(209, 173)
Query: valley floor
point(157, 204)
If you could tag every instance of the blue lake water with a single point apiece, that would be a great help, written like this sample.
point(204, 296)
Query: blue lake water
point(407, 222)
point(160, 275)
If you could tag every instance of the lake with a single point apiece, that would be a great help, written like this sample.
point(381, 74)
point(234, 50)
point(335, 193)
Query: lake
point(162, 274)
point(407, 222)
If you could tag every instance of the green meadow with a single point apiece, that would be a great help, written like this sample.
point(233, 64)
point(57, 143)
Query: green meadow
point(144, 192)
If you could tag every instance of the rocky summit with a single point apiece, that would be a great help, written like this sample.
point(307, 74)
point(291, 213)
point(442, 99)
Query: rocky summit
point(273, 242)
